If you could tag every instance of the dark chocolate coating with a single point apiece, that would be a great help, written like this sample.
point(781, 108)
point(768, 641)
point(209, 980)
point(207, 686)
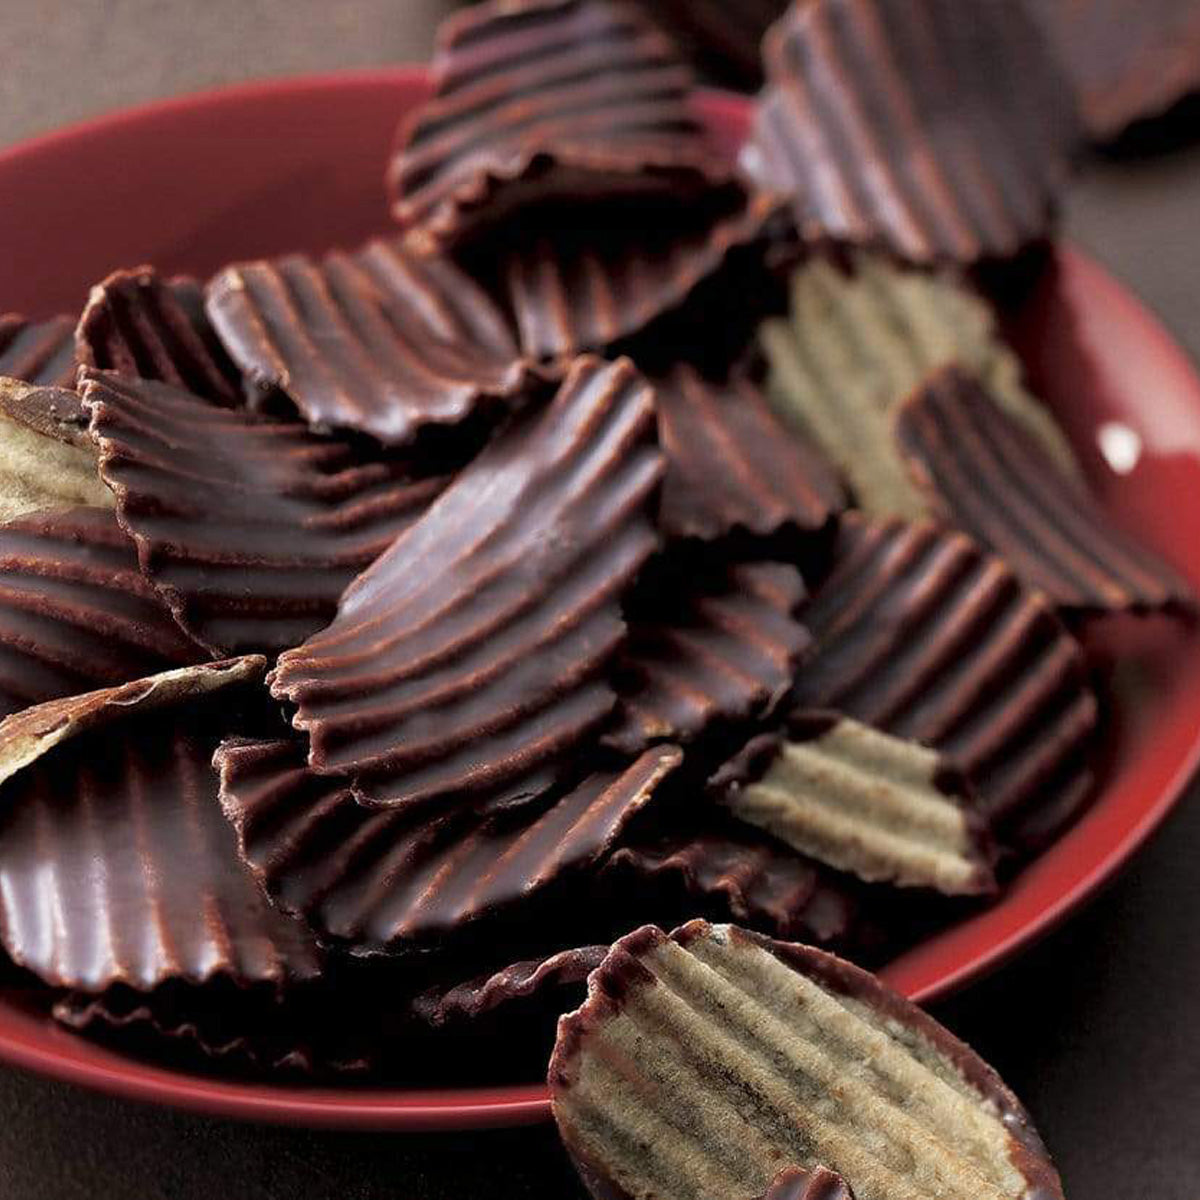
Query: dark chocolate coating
point(75, 612)
point(922, 634)
point(386, 879)
point(897, 122)
point(382, 341)
point(724, 39)
point(240, 1027)
point(733, 466)
point(751, 876)
point(351, 1020)
point(546, 99)
point(122, 1010)
point(819, 1184)
point(710, 652)
point(528, 981)
point(41, 352)
point(250, 527)
point(139, 324)
point(1127, 59)
point(985, 474)
point(51, 410)
point(117, 866)
point(572, 291)
point(468, 660)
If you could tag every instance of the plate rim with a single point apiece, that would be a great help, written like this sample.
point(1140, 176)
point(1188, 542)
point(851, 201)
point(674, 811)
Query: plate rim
point(29, 1042)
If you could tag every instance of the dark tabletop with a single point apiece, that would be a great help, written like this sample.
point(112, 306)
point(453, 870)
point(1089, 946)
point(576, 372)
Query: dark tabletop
point(1096, 1028)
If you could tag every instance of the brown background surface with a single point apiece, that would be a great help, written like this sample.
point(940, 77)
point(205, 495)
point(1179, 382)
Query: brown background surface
point(1096, 1028)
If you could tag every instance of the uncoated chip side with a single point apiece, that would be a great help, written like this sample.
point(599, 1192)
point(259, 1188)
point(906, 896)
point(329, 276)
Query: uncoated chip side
point(46, 459)
point(858, 800)
point(703, 1063)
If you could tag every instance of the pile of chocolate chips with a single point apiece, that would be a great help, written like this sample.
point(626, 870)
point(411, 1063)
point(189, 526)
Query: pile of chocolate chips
point(630, 535)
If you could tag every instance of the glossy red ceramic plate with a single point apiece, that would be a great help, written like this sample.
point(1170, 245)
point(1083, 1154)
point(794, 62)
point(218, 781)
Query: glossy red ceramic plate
point(193, 183)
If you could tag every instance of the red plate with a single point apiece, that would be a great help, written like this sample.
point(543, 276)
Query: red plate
point(193, 183)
